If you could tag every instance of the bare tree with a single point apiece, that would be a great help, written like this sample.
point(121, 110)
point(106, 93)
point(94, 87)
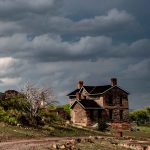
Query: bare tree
point(36, 98)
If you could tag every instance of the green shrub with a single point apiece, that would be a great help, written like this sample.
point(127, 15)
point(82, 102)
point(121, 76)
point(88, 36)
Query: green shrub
point(102, 125)
point(2, 114)
point(140, 116)
point(67, 110)
point(47, 127)
point(10, 120)
point(16, 102)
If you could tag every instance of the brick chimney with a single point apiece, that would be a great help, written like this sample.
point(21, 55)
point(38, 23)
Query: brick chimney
point(79, 84)
point(113, 81)
point(78, 95)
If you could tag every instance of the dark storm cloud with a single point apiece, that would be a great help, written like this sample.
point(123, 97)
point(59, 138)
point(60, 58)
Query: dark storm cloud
point(48, 48)
point(16, 9)
point(113, 21)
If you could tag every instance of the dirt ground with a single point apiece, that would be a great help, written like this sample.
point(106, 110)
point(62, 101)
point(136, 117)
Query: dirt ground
point(31, 144)
point(46, 144)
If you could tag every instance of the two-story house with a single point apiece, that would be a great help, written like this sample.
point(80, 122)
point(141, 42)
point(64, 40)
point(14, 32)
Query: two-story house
point(89, 103)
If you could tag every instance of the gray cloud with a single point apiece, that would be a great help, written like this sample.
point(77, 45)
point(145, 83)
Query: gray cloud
point(114, 21)
point(111, 22)
point(20, 8)
point(50, 48)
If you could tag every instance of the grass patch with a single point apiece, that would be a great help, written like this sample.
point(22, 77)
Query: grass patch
point(141, 132)
point(99, 145)
point(13, 132)
point(68, 131)
point(144, 132)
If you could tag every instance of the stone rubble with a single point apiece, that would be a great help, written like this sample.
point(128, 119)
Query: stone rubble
point(127, 143)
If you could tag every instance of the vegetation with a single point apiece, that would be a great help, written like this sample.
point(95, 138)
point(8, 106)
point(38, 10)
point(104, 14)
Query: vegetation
point(35, 98)
point(100, 145)
point(13, 132)
point(102, 125)
point(26, 107)
point(141, 116)
point(140, 133)
point(66, 108)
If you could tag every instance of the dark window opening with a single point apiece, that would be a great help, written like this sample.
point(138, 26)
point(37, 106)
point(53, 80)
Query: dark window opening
point(110, 100)
point(121, 114)
point(99, 113)
point(120, 100)
point(110, 113)
point(91, 114)
point(125, 97)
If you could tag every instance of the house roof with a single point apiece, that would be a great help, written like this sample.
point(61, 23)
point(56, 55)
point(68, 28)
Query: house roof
point(87, 104)
point(97, 89)
point(93, 90)
point(74, 92)
point(111, 87)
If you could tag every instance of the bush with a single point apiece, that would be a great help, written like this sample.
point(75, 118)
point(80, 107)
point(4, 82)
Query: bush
point(2, 114)
point(67, 110)
point(140, 116)
point(48, 117)
point(102, 125)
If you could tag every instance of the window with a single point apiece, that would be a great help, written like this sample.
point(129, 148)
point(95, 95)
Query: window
point(121, 114)
point(99, 113)
point(110, 113)
point(109, 100)
point(91, 114)
point(121, 100)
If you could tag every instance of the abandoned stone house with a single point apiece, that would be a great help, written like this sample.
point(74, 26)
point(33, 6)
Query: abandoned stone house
point(89, 103)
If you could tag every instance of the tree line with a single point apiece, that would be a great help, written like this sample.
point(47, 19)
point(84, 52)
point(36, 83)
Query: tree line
point(140, 116)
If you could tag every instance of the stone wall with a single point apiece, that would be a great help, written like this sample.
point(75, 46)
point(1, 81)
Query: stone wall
point(79, 115)
point(116, 115)
point(126, 115)
point(116, 106)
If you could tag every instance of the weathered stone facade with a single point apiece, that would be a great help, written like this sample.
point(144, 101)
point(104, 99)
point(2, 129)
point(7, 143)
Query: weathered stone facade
point(79, 115)
point(112, 104)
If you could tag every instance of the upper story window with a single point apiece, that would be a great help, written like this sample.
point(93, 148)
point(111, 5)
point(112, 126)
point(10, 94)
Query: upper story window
point(125, 97)
point(109, 100)
point(120, 100)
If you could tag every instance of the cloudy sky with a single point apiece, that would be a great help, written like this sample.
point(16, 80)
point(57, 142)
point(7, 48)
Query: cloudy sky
point(55, 43)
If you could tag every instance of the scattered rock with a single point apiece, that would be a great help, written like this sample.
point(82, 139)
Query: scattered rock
point(54, 146)
point(78, 140)
point(96, 137)
point(61, 146)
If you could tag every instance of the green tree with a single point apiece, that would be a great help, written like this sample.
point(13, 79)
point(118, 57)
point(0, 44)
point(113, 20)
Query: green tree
point(67, 110)
point(140, 116)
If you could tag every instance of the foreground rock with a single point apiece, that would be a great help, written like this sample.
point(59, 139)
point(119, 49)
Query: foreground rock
point(102, 142)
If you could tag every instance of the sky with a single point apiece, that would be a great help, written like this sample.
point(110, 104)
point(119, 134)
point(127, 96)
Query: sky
point(55, 43)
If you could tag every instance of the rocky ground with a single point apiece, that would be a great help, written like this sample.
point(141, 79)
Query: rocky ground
point(78, 143)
